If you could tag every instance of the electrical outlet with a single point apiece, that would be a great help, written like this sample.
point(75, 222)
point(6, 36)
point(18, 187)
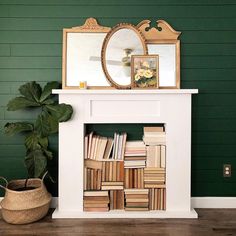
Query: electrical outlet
point(227, 170)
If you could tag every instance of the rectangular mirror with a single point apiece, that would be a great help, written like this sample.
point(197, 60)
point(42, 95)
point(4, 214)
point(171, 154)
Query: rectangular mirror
point(168, 63)
point(82, 47)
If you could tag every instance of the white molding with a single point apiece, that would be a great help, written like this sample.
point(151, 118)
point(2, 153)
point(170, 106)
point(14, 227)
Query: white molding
point(213, 202)
point(123, 91)
point(125, 214)
point(197, 202)
point(54, 202)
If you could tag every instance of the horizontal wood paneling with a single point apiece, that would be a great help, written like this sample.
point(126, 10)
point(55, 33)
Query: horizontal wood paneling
point(216, 163)
point(30, 49)
point(30, 62)
point(213, 151)
point(52, 11)
point(25, 75)
point(35, 36)
point(4, 50)
point(54, 24)
point(214, 124)
point(120, 2)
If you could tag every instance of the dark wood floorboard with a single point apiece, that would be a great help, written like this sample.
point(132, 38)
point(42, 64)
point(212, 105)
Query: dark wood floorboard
point(211, 222)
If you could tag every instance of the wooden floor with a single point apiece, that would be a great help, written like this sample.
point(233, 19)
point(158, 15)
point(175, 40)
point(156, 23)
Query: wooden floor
point(210, 222)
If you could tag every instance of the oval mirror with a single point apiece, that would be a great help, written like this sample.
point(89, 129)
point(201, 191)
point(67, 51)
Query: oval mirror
point(119, 44)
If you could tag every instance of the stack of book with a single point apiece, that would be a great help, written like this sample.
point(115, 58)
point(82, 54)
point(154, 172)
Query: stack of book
point(112, 171)
point(134, 178)
point(136, 200)
point(97, 147)
point(119, 146)
point(92, 175)
point(122, 174)
point(157, 199)
point(154, 177)
point(92, 180)
point(135, 154)
point(103, 148)
point(117, 185)
point(156, 156)
point(154, 136)
point(116, 199)
point(96, 201)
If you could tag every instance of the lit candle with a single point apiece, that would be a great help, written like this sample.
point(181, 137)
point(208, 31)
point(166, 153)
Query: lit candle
point(83, 85)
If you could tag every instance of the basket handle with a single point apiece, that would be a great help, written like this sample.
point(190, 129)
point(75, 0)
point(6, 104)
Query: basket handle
point(6, 182)
point(44, 175)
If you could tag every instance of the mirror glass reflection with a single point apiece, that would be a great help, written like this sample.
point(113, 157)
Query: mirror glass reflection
point(121, 45)
point(167, 63)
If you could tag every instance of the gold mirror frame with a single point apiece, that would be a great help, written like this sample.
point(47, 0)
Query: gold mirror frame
point(163, 34)
point(90, 26)
point(104, 47)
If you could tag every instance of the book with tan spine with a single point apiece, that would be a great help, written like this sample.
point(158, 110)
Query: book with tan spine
point(108, 149)
point(92, 164)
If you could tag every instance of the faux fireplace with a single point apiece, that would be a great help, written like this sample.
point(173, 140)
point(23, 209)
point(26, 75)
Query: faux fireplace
point(169, 107)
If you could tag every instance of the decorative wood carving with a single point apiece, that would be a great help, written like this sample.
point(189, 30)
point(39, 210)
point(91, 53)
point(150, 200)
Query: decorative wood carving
point(91, 25)
point(163, 31)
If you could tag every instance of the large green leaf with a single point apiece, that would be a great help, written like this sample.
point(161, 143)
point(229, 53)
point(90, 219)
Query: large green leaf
point(48, 154)
point(42, 125)
point(35, 141)
point(17, 127)
point(48, 101)
point(36, 163)
point(32, 91)
point(53, 124)
point(32, 141)
point(21, 103)
point(47, 90)
point(43, 142)
point(62, 112)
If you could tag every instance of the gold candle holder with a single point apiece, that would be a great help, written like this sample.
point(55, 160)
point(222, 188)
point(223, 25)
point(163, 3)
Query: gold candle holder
point(83, 84)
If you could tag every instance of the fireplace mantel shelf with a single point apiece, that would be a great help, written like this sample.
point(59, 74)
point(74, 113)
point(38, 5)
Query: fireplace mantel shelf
point(128, 91)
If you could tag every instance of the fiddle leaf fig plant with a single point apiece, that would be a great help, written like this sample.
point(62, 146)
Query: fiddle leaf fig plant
point(37, 133)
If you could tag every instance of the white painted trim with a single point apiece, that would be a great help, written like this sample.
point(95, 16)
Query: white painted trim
point(125, 214)
point(54, 202)
point(213, 202)
point(197, 202)
point(125, 91)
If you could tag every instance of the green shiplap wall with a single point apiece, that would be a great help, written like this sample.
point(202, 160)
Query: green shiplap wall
point(30, 49)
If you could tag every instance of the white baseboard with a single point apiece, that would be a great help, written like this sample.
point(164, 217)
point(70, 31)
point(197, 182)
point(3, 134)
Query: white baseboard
point(197, 202)
point(54, 202)
point(213, 202)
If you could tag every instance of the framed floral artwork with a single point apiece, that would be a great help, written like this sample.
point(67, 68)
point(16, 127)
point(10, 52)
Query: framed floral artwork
point(144, 71)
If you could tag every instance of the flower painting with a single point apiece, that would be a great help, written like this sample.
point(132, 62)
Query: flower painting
point(144, 71)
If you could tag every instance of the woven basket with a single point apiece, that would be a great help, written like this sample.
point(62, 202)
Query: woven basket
point(23, 207)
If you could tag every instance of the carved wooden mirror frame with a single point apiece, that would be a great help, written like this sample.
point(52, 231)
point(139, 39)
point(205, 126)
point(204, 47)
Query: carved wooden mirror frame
point(104, 47)
point(163, 34)
point(90, 26)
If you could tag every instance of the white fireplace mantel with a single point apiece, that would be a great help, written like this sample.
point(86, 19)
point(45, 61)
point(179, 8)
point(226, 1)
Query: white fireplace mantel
point(171, 107)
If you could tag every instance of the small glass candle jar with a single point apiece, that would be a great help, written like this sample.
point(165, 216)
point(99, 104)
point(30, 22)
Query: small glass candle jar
point(83, 85)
